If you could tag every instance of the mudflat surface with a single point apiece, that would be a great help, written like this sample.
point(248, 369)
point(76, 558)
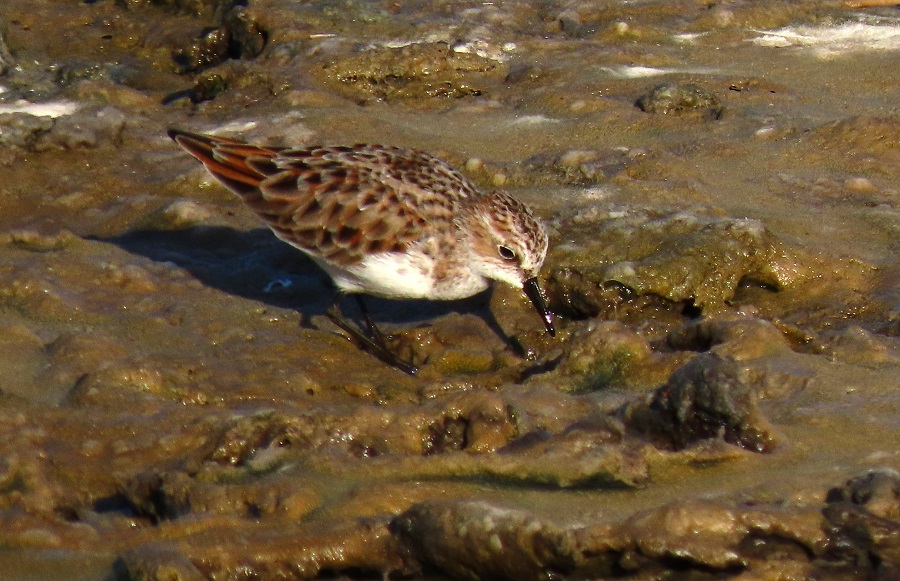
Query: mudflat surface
point(720, 181)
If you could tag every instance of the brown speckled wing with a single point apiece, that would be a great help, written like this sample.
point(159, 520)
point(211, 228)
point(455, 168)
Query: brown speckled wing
point(338, 203)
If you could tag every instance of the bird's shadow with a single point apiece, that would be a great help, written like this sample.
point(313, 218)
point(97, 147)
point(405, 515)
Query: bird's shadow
point(256, 265)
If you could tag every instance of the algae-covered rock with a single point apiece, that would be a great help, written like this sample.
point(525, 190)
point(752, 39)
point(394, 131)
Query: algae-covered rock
point(194, 7)
point(20, 133)
point(6, 58)
point(239, 36)
point(681, 99)
point(290, 551)
point(474, 436)
point(172, 495)
point(863, 523)
point(706, 398)
point(580, 457)
point(176, 215)
point(476, 540)
point(156, 562)
point(608, 354)
point(684, 258)
point(706, 264)
point(703, 535)
point(734, 336)
point(878, 491)
point(480, 540)
point(415, 71)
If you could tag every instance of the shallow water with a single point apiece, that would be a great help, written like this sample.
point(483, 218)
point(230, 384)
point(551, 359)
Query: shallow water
point(174, 399)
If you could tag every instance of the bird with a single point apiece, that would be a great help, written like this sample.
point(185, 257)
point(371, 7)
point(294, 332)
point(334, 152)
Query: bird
point(383, 221)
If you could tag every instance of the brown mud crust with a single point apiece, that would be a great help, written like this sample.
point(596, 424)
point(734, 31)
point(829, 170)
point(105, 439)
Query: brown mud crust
point(720, 182)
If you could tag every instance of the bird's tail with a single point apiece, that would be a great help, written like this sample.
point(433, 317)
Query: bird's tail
point(238, 165)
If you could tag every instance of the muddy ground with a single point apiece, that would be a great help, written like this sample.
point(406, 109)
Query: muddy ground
point(720, 180)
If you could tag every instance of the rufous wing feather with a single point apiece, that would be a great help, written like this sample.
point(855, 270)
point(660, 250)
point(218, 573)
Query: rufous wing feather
point(337, 203)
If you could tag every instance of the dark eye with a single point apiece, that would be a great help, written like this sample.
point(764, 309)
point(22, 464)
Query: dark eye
point(506, 253)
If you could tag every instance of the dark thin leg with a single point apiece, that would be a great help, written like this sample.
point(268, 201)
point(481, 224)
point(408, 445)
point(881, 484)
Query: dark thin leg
point(374, 342)
point(371, 327)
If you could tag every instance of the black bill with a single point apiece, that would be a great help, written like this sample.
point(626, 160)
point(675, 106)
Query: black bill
point(534, 292)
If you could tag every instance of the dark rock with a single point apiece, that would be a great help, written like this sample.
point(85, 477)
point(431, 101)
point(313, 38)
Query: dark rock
point(878, 491)
point(171, 495)
point(208, 87)
point(246, 38)
point(706, 398)
point(859, 539)
point(239, 37)
point(209, 49)
point(676, 99)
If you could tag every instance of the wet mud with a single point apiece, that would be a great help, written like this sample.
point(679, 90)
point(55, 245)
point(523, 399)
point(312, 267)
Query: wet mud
point(720, 181)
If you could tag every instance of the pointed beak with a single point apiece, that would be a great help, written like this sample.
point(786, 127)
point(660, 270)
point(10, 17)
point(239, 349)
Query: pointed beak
point(534, 292)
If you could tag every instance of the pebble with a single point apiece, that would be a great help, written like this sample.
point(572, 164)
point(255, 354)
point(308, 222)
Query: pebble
point(859, 184)
point(474, 164)
point(177, 215)
point(569, 21)
point(577, 157)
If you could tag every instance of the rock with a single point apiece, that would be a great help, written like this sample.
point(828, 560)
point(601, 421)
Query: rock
point(577, 157)
point(172, 495)
point(6, 59)
point(209, 49)
point(86, 129)
point(239, 36)
point(73, 355)
point(569, 21)
point(858, 142)
point(586, 455)
point(878, 491)
point(38, 242)
point(698, 261)
point(604, 354)
point(706, 535)
point(736, 337)
point(156, 562)
point(859, 184)
point(176, 215)
point(20, 132)
point(705, 264)
point(863, 524)
point(706, 398)
point(415, 71)
point(476, 540)
point(576, 294)
point(858, 345)
point(687, 99)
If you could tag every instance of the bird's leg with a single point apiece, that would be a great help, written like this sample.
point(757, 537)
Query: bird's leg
point(373, 342)
point(373, 330)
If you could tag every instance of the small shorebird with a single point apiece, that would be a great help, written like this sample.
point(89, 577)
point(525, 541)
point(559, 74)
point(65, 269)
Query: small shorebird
point(383, 221)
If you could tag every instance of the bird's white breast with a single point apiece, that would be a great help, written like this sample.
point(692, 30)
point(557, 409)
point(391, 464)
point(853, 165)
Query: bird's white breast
point(404, 276)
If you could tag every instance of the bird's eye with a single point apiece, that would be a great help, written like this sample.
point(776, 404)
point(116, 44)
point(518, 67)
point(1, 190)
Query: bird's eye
point(506, 253)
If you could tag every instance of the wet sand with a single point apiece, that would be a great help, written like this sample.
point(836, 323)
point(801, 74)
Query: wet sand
point(721, 187)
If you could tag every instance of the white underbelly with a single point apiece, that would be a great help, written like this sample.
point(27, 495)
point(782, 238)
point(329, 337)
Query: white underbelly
point(403, 276)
